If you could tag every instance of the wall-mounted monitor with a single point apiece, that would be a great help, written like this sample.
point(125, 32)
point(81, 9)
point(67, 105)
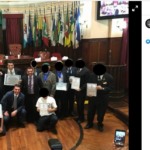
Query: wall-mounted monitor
point(110, 9)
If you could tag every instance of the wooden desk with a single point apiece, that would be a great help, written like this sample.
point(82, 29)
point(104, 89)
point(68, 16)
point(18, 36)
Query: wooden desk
point(22, 62)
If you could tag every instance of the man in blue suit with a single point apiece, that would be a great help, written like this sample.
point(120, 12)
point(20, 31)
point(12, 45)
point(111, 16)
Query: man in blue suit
point(13, 106)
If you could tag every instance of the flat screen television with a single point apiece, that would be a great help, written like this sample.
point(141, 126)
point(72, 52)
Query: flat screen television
point(110, 9)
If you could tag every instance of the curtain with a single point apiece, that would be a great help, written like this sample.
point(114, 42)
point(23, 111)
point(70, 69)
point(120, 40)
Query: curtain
point(124, 52)
point(14, 29)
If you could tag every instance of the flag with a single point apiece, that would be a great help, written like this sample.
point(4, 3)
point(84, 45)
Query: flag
point(1, 18)
point(61, 34)
point(39, 27)
point(29, 36)
point(25, 31)
point(55, 28)
point(45, 38)
point(72, 28)
point(67, 33)
point(78, 38)
point(35, 31)
point(52, 23)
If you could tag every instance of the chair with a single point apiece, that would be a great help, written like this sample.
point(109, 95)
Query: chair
point(2, 56)
point(44, 55)
point(58, 55)
point(15, 49)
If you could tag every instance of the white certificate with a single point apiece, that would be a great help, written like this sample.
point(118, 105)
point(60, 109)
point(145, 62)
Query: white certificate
point(1, 112)
point(75, 83)
point(11, 79)
point(61, 86)
point(44, 109)
point(91, 89)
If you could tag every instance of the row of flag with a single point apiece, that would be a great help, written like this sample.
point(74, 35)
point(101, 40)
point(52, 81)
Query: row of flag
point(63, 29)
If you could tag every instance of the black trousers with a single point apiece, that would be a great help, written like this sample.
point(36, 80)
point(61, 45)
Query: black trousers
point(99, 106)
point(70, 100)
point(80, 98)
point(47, 122)
point(61, 101)
point(30, 102)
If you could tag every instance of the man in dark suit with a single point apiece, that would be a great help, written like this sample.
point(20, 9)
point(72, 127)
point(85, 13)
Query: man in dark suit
point(31, 85)
point(11, 70)
point(99, 103)
point(82, 73)
point(13, 106)
point(71, 72)
point(60, 95)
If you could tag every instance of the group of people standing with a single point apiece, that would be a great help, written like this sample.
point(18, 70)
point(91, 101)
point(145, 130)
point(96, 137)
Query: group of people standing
point(42, 96)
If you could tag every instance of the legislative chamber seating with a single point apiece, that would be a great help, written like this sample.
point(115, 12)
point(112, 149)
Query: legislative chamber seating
point(15, 49)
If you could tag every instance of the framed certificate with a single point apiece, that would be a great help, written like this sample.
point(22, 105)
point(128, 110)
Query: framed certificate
point(75, 83)
point(11, 79)
point(91, 89)
point(60, 86)
point(44, 109)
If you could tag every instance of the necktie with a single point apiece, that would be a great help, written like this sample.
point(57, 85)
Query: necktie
point(29, 85)
point(15, 102)
point(11, 72)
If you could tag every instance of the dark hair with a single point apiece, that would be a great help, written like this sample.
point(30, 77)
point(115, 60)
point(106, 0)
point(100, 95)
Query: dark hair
point(99, 69)
point(43, 92)
point(69, 62)
point(10, 61)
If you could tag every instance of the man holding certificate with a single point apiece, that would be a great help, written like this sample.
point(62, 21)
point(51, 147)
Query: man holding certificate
point(46, 106)
point(79, 84)
point(61, 90)
point(11, 76)
point(99, 85)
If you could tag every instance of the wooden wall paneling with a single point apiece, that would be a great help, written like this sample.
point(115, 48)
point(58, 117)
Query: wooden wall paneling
point(115, 46)
point(103, 53)
point(85, 52)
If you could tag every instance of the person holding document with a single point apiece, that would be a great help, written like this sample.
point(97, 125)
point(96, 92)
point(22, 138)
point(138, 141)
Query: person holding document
point(61, 90)
point(71, 72)
point(82, 76)
point(99, 102)
point(10, 70)
point(46, 106)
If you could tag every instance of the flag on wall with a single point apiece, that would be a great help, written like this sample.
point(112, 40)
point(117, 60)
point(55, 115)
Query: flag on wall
point(25, 30)
point(45, 38)
point(29, 38)
point(51, 30)
point(35, 31)
point(61, 34)
point(72, 28)
point(39, 27)
point(78, 36)
point(1, 18)
point(67, 32)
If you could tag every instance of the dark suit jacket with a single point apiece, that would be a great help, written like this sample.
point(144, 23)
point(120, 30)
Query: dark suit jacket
point(72, 73)
point(106, 83)
point(84, 76)
point(64, 75)
point(37, 84)
point(7, 101)
point(17, 71)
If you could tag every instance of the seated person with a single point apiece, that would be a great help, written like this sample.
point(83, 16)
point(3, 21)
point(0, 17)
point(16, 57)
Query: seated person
point(2, 128)
point(46, 106)
point(13, 106)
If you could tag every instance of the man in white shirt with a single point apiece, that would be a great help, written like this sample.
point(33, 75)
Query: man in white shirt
point(46, 106)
